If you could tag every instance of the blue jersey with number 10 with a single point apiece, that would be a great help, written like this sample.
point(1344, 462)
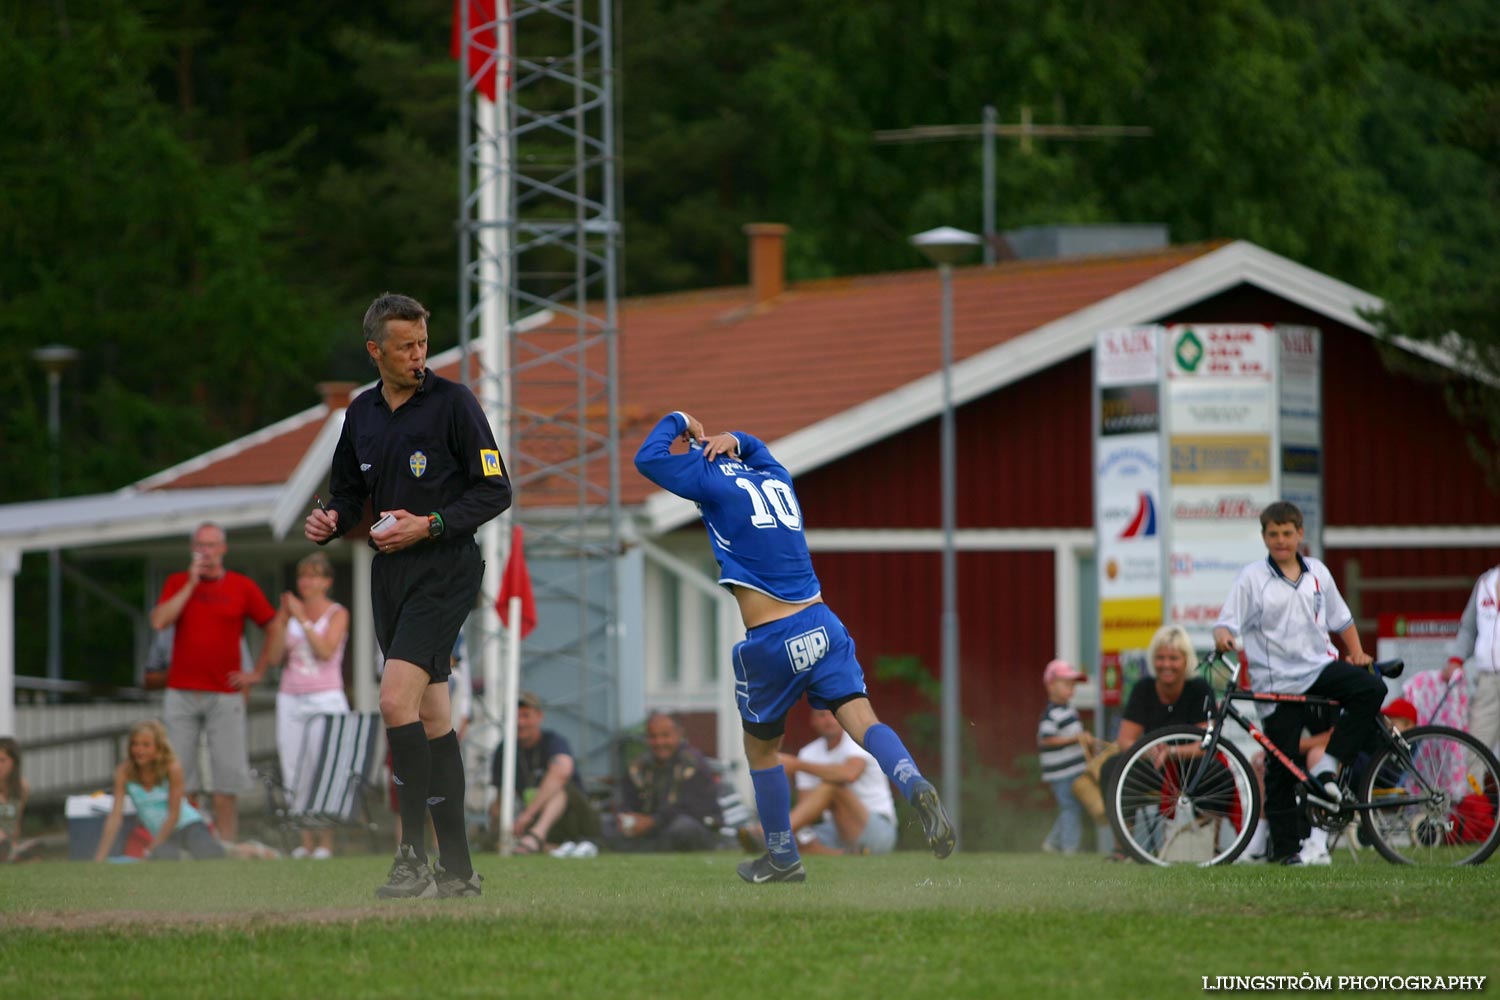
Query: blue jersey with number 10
point(748, 506)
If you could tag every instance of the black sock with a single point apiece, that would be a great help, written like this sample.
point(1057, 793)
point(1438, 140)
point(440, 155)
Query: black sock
point(411, 761)
point(446, 798)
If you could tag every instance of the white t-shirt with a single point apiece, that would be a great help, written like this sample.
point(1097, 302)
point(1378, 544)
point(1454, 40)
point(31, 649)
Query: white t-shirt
point(1285, 626)
point(871, 787)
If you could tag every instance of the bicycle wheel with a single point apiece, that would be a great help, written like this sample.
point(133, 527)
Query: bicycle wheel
point(1159, 823)
point(1434, 805)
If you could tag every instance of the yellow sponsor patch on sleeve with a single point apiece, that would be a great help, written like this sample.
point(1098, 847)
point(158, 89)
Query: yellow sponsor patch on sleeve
point(489, 460)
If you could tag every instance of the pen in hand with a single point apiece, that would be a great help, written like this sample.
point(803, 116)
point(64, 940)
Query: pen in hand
point(318, 499)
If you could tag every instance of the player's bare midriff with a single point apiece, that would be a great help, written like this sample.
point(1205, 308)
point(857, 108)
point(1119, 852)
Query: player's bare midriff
point(757, 608)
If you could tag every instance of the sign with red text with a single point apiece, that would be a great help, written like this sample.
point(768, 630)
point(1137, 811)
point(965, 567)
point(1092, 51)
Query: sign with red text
point(1220, 422)
point(1127, 486)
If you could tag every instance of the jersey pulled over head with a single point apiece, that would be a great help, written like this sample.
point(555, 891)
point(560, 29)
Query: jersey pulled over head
point(748, 506)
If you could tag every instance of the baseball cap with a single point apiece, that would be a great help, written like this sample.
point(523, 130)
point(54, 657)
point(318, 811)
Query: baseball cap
point(529, 700)
point(1400, 708)
point(1062, 670)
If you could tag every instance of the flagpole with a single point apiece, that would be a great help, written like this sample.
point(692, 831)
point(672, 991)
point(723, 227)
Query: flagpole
point(512, 697)
point(494, 318)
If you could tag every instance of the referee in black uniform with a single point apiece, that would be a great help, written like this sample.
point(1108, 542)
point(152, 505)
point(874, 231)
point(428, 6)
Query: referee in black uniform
point(421, 449)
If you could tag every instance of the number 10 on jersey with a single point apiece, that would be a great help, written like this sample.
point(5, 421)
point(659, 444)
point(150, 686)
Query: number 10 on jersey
point(773, 501)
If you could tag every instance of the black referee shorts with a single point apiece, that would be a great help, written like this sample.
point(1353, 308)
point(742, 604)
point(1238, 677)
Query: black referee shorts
point(420, 598)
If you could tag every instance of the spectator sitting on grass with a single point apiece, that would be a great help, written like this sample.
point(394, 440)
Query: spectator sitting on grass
point(670, 801)
point(14, 791)
point(153, 778)
point(844, 802)
point(554, 807)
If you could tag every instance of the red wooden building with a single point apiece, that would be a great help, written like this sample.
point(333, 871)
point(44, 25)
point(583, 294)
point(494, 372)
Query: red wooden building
point(842, 378)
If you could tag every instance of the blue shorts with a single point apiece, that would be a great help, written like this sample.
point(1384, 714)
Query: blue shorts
point(811, 651)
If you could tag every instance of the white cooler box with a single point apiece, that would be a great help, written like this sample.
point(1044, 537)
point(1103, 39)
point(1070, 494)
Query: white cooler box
point(86, 815)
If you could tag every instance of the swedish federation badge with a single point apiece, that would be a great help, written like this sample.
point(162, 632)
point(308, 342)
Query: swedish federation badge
point(417, 463)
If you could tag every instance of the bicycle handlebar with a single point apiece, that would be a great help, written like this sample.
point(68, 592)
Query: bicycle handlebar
point(1384, 668)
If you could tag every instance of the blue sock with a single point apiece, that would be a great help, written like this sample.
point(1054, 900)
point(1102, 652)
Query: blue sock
point(773, 798)
point(886, 747)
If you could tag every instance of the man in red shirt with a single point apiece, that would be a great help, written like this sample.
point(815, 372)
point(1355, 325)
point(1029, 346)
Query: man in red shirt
point(205, 682)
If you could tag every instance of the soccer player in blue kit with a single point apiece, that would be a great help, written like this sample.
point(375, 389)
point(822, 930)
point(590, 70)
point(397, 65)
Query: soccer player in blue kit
point(794, 644)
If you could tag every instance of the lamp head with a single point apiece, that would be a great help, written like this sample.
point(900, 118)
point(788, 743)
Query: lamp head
point(945, 245)
point(54, 357)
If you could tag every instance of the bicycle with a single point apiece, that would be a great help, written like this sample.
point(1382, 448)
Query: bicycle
point(1187, 795)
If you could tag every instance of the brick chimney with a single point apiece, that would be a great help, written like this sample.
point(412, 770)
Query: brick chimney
point(336, 395)
point(767, 260)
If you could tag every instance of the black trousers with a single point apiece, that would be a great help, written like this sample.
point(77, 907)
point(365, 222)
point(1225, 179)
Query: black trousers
point(1359, 694)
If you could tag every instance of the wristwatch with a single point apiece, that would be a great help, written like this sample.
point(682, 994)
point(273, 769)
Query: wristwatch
point(434, 525)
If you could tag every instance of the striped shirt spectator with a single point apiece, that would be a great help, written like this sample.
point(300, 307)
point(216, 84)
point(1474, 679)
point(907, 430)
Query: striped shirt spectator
point(1064, 762)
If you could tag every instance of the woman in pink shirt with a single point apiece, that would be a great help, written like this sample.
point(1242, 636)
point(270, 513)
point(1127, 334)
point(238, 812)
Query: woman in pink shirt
point(312, 679)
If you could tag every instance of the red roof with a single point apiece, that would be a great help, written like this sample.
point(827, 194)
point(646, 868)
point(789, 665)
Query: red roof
point(813, 352)
point(825, 346)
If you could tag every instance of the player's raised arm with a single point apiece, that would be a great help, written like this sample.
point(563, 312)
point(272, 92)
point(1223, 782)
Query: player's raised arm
point(680, 474)
point(753, 451)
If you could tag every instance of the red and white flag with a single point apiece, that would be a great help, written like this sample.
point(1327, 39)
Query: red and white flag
point(517, 583)
point(483, 46)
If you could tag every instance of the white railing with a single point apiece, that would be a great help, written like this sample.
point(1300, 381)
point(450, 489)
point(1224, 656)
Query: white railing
point(68, 749)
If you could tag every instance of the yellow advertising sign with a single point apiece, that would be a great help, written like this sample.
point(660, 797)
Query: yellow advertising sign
point(1221, 459)
point(1128, 622)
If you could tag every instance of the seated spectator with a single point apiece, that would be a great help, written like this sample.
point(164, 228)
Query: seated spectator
point(670, 798)
point(844, 803)
point(1402, 713)
point(152, 776)
point(14, 791)
point(1318, 723)
point(1317, 728)
point(1173, 697)
point(553, 806)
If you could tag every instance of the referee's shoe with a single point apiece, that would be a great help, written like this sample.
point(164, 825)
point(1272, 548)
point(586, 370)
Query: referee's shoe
point(450, 886)
point(410, 878)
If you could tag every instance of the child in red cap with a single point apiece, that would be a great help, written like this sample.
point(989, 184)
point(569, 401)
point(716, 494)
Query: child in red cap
point(1402, 713)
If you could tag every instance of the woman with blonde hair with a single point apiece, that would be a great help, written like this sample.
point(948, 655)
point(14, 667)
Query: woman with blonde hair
point(1172, 696)
point(151, 775)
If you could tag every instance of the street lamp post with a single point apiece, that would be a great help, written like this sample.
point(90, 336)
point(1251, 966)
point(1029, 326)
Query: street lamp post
point(54, 359)
point(945, 247)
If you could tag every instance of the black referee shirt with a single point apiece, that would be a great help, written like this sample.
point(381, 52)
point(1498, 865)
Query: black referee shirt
point(435, 454)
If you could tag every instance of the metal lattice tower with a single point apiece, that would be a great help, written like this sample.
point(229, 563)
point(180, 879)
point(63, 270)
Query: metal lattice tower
point(538, 244)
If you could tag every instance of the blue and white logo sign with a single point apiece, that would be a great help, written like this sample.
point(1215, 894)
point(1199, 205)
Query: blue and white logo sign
point(807, 649)
point(417, 463)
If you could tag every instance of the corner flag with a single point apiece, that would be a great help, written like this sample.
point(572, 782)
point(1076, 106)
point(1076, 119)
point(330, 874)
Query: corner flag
point(517, 583)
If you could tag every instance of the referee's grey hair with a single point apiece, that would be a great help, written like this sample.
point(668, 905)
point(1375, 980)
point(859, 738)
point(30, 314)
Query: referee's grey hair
point(388, 306)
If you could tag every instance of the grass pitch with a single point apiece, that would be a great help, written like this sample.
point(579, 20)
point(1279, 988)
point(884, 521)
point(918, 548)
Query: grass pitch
point(905, 925)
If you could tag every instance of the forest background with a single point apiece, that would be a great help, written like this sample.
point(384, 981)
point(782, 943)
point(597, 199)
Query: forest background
point(202, 197)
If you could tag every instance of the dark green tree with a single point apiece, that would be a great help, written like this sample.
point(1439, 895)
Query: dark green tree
point(1446, 74)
